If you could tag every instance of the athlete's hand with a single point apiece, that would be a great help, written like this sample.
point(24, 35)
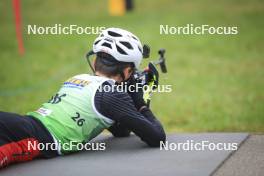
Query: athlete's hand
point(136, 93)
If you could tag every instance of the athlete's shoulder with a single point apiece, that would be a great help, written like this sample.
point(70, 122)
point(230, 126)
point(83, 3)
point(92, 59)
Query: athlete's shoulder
point(93, 78)
point(81, 76)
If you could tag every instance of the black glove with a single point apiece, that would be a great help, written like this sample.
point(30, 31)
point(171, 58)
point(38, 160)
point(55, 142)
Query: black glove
point(136, 93)
point(152, 76)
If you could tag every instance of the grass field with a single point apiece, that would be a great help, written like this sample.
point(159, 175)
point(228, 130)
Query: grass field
point(217, 80)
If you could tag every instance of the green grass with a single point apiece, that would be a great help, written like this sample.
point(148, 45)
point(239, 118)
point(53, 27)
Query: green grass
point(217, 80)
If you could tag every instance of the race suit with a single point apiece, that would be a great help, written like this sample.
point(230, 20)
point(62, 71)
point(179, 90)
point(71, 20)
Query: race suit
point(77, 113)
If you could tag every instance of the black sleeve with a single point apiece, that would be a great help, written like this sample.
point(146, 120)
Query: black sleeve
point(119, 130)
point(119, 107)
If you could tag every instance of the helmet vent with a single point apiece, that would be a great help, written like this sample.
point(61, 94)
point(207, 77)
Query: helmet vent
point(114, 34)
point(126, 44)
point(120, 50)
point(134, 38)
point(109, 40)
point(95, 43)
point(107, 45)
point(139, 49)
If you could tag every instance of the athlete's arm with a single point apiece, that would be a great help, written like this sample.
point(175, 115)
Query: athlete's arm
point(119, 130)
point(119, 107)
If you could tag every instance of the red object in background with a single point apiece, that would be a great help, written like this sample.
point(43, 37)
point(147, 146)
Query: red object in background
point(17, 14)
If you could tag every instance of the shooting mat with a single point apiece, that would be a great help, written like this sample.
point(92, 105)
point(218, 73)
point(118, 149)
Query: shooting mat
point(130, 157)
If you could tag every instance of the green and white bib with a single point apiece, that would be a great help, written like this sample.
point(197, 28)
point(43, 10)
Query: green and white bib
point(70, 115)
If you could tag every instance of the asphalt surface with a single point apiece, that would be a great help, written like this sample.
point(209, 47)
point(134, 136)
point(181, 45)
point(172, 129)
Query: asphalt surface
point(247, 161)
point(129, 156)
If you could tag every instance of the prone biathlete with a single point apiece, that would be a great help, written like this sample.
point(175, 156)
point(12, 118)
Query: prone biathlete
point(83, 107)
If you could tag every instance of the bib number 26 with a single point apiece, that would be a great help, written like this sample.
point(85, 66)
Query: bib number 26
point(79, 121)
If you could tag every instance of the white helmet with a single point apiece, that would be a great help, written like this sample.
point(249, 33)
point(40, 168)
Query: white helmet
point(121, 44)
